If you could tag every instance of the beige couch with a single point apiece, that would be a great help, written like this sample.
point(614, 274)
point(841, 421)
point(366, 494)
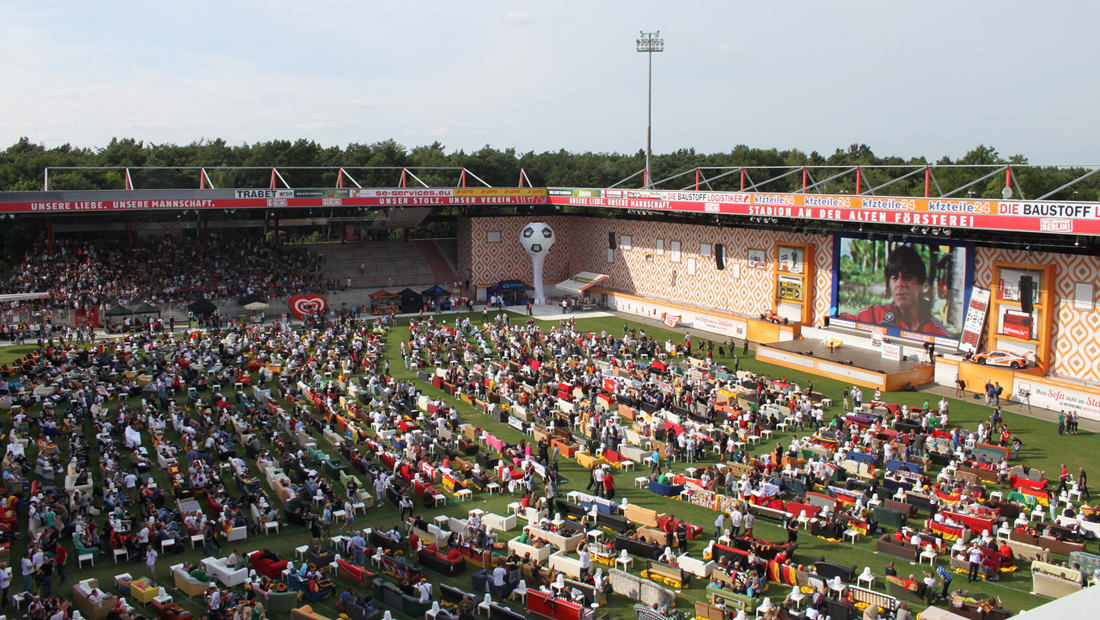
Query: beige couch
point(565, 564)
point(187, 584)
point(537, 553)
point(1053, 580)
point(564, 543)
point(642, 517)
point(92, 611)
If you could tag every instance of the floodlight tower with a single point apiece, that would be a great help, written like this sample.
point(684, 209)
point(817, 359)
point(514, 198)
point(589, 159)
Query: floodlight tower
point(650, 42)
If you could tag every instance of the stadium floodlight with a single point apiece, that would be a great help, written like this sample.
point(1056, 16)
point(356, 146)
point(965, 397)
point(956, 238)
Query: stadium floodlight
point(650, 42)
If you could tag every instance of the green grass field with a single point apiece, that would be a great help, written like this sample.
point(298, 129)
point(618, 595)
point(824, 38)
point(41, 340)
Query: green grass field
point(1043, 449)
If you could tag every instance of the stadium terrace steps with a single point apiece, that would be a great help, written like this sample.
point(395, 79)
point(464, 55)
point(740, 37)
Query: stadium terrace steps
point(440, 266)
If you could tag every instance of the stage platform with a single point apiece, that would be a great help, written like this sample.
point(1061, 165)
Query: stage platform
point(863, 367)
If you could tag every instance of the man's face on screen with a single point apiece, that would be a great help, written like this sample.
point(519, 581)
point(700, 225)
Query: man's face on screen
point(905, 287)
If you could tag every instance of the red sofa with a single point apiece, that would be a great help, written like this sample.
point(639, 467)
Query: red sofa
point(267, 567)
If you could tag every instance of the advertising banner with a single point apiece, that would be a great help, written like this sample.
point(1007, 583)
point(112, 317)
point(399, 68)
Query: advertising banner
point(1035, 216)
point(891, 351)
point(975, 319)
point(1056, 396)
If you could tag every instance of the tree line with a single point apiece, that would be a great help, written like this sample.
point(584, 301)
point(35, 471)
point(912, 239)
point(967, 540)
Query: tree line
point(23, 163)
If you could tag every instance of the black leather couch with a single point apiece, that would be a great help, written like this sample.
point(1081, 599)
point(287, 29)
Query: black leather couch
point(838, 610)
point(828, 570)
point(639, 548)
point(617, 523)
point(570, 509)
point(500, 612)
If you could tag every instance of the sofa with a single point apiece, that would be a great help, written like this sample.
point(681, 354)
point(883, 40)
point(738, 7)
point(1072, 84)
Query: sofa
point(305, 612)
point(1047, 542)
point(92, 611)
point(319, 556)
point(495, 522)
point(167, 610)
point(186, 583)
point(281, 602)
point(1053, 580)
point(733, 600)
point(908, 509)
point(217, 568)
point(890, 517)
point(695, 566)
point(667, 490)
point(357, 575)
point(617, 523)
point(272, 569)
point(391, 596)
point(905, 589)
point(642, 517)
point(82, 550)
point(829, 570)
point(564, 543)
point(297, 584)
point(354, 611)
point(639, 548)
point(886, 544)
point(537, 553)
point(563, 563)
point(450, 563)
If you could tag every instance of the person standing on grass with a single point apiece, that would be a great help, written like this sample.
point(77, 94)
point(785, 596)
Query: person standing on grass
point(151, 562)
point(60, 555)
point(26, 564)
point(1063, 479)
point(975, 558)
point(719, 525)
point(5, 583)
point(1082, 484)
point(1061, 422)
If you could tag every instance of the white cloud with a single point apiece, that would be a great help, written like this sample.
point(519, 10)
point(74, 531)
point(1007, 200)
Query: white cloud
point(729, 49)
point(521, 18)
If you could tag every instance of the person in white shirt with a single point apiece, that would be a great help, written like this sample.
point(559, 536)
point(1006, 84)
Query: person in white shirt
point(499, 576)
point(585, 560)
point(5, 583)
point(151, 562)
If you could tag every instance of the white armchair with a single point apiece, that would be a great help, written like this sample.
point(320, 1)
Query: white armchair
point(217, 568)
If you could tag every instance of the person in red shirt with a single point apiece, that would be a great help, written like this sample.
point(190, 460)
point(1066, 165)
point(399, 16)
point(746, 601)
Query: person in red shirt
point(909, 310)
point(1063, 480)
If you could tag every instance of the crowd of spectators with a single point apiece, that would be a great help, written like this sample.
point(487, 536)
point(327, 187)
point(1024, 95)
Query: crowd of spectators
point(161, 270)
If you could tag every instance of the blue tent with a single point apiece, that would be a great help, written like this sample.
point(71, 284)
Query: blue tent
point(436, 291)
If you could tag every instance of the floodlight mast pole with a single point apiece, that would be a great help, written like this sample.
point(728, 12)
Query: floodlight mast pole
point(650, 42)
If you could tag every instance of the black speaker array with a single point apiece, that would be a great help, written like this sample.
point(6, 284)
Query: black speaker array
point(719, 256)
point(611, 241)
point(1026, 284)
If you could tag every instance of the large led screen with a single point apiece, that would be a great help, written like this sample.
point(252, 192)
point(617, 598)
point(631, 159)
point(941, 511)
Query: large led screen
point(914, 289)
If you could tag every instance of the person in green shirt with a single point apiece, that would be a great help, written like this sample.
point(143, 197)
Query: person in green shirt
point(197, 573)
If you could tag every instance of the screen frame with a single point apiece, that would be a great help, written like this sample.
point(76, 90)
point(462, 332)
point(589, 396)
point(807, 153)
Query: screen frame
point(895, 332)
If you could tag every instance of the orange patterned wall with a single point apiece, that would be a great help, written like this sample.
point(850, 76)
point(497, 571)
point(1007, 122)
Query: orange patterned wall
point(582, 244)
point(1076, 345)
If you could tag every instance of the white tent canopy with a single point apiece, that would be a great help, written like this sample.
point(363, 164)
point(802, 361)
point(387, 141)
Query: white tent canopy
point(581, 282)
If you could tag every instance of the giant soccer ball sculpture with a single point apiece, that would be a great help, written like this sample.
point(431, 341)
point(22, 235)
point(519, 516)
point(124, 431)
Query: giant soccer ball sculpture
point(537, 238)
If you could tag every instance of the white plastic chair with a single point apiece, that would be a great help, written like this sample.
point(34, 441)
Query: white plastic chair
point(796, 596)
point(521, 590)
point(804, 520)
point(485, 603)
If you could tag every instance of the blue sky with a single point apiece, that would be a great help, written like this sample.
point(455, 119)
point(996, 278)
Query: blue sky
point(930, 78)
